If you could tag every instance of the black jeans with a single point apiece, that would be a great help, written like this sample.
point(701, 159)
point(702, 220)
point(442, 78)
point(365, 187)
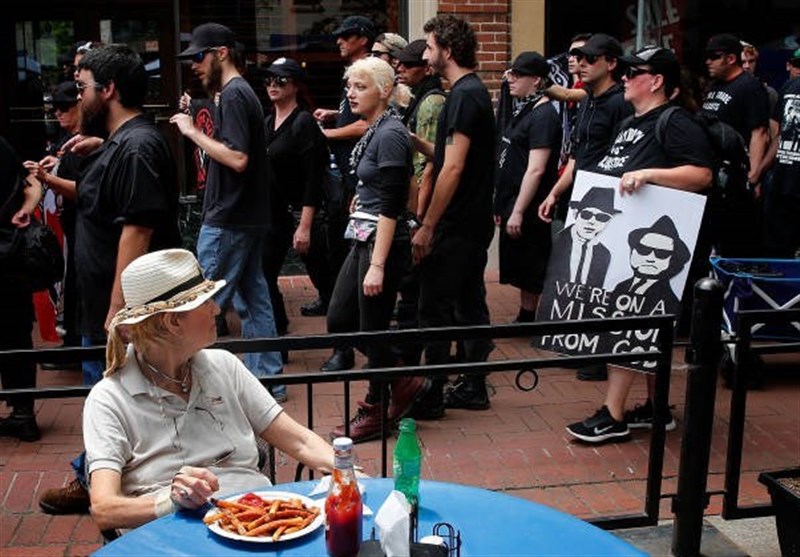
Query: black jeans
point(452, 292)
point(350, 310)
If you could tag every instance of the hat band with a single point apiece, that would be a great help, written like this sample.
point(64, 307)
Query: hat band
point(191, 283)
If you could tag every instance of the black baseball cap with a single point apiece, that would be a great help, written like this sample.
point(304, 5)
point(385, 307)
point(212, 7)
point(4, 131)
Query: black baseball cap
point(724, 42)
point(600, 44)
point(66, 93)
point(356, 25)
point(661, 61)
point(286, 67)
point(206, 36)
point(412, 53)
point(531, 63)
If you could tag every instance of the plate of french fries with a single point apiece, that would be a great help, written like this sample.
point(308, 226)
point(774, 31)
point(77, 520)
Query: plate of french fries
point(264, 516)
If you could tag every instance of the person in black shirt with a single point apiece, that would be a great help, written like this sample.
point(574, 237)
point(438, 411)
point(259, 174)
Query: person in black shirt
point(19, 195)
point(682, 159)
point(451, 244)
point(527, 169)
point(598, 116)
point(236, 201)
point(127, 205)
point(296, 160)
point(782, 197)
point(737, 98)
point(366, 288)
point(343, 129)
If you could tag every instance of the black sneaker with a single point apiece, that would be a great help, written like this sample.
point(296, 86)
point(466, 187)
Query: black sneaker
point(468, 393)
point(23, 428)
point(317, 308)
point(600, 427)
point(642, 417)
point(593, 372)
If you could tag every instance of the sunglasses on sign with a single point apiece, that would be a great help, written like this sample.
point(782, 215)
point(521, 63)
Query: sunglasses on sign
point(586, 214)
point(643, 250)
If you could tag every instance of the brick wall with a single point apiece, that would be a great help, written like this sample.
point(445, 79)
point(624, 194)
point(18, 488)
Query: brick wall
point(491, 20)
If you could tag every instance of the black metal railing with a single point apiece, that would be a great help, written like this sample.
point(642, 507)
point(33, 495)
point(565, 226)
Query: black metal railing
point(662, 355)
point(743, 370)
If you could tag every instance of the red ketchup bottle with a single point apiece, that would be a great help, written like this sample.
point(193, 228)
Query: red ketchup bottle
point(343, 507)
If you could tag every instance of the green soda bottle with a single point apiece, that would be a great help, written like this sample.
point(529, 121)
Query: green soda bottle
point(407, 462)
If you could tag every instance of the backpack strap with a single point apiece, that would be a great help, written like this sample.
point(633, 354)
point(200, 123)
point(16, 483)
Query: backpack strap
point(661, 123)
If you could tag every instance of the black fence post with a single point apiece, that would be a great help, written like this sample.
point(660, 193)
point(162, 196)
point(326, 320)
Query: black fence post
point(701, 381)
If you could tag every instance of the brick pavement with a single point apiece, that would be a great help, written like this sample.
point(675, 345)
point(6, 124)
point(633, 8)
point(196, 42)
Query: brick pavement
point(519, 445)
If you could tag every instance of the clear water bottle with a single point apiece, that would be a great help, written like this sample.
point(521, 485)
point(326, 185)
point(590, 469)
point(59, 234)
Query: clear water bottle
point(407, 462)
point(343, 507)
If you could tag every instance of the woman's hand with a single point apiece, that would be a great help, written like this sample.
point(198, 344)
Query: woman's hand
point(632, 181)
point(21, 218)
point(546, 208)
point(373, 282)
point(301, 241)
point(192, 487)
point(184, 123)
point(514, 225)
point(185, 102)
point(353, 204)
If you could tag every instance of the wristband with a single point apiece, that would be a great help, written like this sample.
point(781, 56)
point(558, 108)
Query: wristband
point(163, 503)
point(380, 265)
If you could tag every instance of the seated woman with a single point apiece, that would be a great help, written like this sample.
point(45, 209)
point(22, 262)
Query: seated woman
point(173, 423)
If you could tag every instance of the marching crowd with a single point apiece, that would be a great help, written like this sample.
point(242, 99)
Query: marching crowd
point(391, 201)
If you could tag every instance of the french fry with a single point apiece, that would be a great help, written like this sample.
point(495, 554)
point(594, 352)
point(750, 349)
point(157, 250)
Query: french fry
point(210, 519)
point(277, 535)
point(275, 506)
point(274, 525)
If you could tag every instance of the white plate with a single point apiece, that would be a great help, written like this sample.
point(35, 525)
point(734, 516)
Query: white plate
point(283, 495)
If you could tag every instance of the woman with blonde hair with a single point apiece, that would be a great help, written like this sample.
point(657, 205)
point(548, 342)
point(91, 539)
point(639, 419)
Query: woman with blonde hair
point(172, 422)
point(366, 289)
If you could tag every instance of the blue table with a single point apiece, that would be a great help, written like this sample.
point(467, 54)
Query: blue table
point(491, 523)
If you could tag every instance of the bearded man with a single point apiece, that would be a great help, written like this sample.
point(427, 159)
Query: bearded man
point(236, 202)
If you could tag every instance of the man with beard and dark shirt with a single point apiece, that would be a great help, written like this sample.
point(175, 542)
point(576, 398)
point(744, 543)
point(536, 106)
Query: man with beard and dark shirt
point(782, 197)
point(354, 37)
point(738, 99)
point(598, 116)
point(236, 202)
point(451, 244)
point(127, 205)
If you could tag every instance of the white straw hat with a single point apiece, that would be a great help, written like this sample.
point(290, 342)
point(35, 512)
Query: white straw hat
point(163, 281)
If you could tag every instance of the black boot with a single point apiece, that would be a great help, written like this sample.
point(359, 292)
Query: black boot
point(20, 425)
point(431, 406)
point(341, 360)
point(468, 392)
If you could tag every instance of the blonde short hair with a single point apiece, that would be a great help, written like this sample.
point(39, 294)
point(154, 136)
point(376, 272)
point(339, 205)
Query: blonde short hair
point(382, 75)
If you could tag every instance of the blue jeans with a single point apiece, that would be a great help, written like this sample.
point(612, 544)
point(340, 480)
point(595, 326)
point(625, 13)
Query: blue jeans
point(235, 255)
point(92, 369)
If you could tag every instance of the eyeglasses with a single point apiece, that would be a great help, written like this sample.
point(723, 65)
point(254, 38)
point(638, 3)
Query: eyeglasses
point(714, 55)
point(643, 250)
point(586, 214)
point(277, 81)
point(200, 56)
point(633, 72)
point(80, 86)
point(379, 53)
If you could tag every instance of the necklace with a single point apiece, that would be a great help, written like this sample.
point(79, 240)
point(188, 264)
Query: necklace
point(184, 382)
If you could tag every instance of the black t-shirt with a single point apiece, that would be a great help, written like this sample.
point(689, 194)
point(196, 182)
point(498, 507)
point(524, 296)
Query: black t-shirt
point(130, 180)
point(468, 110)
point(341, 148)
point(636, 146)
point(597, 119)
point(389, 147)
point(534, 128)
point(296, 157)
point(786, 176)
point(238, 199)
point(69, 167)
point(742, 102)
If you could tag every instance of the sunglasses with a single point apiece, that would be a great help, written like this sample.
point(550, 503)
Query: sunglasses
point(632, 72)
point(643, 250)
point(278, 81)
point(586, 214)
point(198, 57)
point(60, 107)
point(590, 58)
point(413, 64)
point(80, 86)
point(795, 63)
point(714, 55)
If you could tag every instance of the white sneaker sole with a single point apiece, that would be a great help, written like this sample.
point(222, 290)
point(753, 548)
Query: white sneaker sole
point(669, 427)
point(598, 438)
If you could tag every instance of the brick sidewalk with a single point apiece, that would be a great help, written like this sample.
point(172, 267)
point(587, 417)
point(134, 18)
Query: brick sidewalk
point(519, 445)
